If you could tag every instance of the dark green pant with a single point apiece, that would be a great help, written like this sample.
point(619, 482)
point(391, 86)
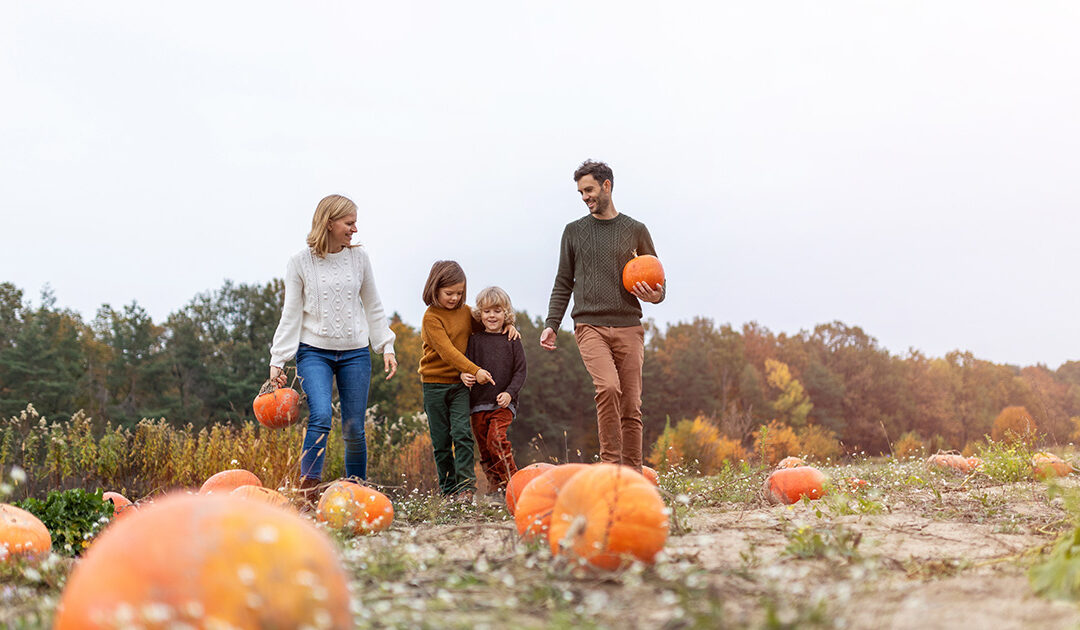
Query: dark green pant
point(447, 407)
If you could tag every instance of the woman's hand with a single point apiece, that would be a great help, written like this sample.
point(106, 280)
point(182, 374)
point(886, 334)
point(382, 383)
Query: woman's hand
point(512, 333)
point(278, 376)
point(503, 400)
point(389, 365)
point(483, 376)
point(468, 379)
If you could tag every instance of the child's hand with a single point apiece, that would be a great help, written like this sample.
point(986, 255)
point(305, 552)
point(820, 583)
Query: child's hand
point(503, 400)
point(512, 333)
point(468, 379)
point(483, 376)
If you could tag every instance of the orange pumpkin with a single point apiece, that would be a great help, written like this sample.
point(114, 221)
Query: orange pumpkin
point(974, 463)
point(857, 485)
point(790, 462)
point(22, 535)
point(190, 559)
point(520, 479)
point(608, 516)
point(644, 268)
point(229, 480)
point(121, 505)
point(266, 495)
point(950, 460)
point(651, 475)
point(532, 513)
point(276, 407)
point(354, 508)
point(1045, 465)
point(788, 485)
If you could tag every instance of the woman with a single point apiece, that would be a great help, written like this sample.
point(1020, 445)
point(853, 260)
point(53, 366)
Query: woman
point(331, 321)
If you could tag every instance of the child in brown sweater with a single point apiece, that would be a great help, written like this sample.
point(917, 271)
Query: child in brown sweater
point(445, 331)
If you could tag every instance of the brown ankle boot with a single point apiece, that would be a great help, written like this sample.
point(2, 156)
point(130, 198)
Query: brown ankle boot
point(309, 493)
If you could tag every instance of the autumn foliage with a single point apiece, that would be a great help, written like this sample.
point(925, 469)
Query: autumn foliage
point(695, 445)
point(1014, 424)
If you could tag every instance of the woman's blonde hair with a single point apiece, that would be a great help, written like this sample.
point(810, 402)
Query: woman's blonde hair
point(330, 209)
point(492, 297)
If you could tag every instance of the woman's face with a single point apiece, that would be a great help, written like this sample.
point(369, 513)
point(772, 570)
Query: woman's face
point(341, 232)
point(449, 296)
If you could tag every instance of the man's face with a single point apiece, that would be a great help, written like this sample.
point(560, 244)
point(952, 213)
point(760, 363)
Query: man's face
point(597, 196)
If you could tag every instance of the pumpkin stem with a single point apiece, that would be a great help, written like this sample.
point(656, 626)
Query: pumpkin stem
point(577, 528)
point(267, 387)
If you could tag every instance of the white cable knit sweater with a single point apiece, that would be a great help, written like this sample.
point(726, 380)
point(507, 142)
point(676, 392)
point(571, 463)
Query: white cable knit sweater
point(331, 303)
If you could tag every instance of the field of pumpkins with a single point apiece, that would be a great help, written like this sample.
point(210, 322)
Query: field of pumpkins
point(871, 542)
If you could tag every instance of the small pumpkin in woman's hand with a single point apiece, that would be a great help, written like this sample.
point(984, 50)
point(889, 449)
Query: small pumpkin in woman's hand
point(276, 407)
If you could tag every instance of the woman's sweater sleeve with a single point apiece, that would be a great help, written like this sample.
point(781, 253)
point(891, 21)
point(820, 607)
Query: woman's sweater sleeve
point(287, 336)
point(433, 332)
point(380, 336)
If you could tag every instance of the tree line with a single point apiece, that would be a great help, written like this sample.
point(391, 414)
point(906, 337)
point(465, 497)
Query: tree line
point(205, 363)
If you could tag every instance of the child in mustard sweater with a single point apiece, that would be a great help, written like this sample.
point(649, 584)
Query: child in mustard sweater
point(445, 331)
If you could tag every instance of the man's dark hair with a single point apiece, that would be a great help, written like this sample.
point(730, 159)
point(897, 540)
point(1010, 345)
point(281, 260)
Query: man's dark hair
point(598, 170)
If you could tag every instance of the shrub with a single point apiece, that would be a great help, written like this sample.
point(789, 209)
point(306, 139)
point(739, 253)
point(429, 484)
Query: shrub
point(73, 517)
point(819, 443)
point(972, 447)
point(1014, 424)
point(695, 445)
point(775, 442)
point(909, 445)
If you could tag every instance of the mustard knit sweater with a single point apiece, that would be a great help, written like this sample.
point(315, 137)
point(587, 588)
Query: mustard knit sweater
point(445, 335)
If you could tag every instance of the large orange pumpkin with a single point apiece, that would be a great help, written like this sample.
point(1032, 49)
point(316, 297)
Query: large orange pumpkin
point(608, 516)
point(276, 407)
point(22, 534)
point(266, 495)
point(121, 505)
point(355, 508)
point(208, 561)
point(788, 485)
point(1046, 465)
point(645, 269)
point(532, 514)
point(228, 480)
point(520, 479)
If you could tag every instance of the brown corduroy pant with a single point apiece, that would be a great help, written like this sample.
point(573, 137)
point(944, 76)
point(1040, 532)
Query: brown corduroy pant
point(613, 357)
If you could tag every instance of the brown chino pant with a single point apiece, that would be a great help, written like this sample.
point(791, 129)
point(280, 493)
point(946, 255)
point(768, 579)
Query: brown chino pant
point(614, 356)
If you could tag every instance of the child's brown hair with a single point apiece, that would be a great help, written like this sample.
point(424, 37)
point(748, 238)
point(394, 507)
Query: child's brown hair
point(443, 274)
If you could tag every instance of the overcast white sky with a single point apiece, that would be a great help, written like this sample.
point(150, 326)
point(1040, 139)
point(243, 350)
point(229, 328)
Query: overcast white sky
point(912, 168)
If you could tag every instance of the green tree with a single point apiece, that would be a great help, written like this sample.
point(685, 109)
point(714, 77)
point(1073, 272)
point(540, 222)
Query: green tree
point(791, 404)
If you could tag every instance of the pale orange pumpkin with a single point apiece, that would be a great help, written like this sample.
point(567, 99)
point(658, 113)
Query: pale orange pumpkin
point(266, 495)
point(651, 475)
point(276, 407)
point(608, 516)
point(520, 479)
point(951, 460)
point(788, 485)
point(354, 508)
point(644, 268)
point(1045, 465)
point(229, 480)
point(532, 513)
point(22, 535)
point(188, 560)
point(121, 505)
point(790, 462)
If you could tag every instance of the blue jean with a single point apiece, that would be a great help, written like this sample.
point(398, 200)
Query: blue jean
point(317, 369)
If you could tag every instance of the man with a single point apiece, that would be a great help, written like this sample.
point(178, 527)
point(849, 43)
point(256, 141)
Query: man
point(607, 318)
